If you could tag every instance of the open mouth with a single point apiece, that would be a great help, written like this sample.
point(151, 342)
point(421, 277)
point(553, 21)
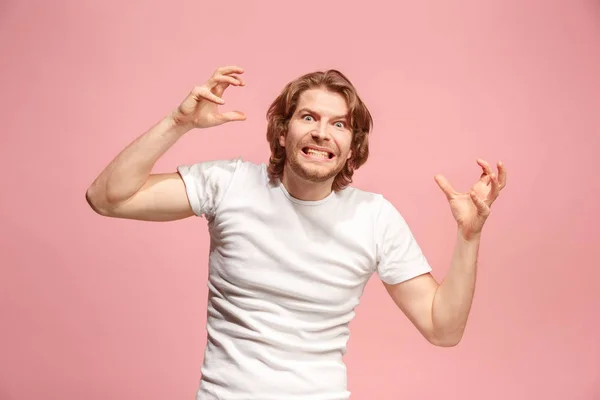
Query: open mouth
point(315, 153)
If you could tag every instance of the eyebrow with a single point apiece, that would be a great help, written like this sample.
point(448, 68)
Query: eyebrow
point(308, 110)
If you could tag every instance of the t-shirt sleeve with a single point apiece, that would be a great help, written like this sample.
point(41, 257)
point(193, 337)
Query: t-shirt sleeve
point(399, 256)
point(206, 184)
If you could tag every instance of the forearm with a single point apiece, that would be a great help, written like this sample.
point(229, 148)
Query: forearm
point(454, 296)
point(130, 169)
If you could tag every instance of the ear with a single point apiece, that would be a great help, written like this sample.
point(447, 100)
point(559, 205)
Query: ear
point(282, 139)
point(349, 155)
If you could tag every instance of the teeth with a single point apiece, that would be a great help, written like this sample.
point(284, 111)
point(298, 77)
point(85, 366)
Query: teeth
point(321, 154)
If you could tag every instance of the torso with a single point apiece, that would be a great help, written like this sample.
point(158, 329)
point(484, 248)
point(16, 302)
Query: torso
point(285, 277)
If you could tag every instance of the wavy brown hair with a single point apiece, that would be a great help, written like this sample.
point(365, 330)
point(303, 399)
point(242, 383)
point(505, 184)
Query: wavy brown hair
point(283, 107)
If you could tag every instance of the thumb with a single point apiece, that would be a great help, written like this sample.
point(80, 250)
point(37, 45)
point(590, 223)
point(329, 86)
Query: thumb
point(444, 185)
point(233, 116)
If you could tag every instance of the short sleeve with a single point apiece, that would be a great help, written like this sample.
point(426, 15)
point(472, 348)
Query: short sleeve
point(399, 256)
point(206, 184)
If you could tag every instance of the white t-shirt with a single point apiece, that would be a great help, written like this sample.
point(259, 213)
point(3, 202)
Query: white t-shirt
point(284, 278)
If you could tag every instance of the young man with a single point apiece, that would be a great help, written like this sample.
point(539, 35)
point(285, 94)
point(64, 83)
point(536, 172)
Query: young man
point(292, 245)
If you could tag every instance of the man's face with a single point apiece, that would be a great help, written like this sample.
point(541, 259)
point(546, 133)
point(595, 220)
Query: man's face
point(318, 139)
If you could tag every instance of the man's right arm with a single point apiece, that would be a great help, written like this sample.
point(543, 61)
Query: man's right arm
point(127, 189)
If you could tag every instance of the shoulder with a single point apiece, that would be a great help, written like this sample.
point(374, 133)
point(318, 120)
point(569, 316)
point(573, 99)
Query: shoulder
point(362, 198)
point(380, 208)
point(220, 169)
point(251, 168)
point(208, 182)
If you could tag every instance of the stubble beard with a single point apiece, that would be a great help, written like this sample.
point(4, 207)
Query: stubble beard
point(310, 173)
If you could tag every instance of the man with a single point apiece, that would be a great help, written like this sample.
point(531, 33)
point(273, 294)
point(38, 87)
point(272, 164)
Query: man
point(292, 244)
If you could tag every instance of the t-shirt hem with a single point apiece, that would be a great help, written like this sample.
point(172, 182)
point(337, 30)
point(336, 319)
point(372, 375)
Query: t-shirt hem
point(188, 181)
point(405, 276)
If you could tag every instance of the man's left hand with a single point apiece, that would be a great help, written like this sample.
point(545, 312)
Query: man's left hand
point(471, 209)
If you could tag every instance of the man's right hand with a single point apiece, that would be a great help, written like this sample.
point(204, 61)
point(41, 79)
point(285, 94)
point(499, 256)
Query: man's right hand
point(200, 107)
point(126, 188)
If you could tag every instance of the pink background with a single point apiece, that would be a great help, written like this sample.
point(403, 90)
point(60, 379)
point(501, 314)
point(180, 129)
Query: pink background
point(97, 309)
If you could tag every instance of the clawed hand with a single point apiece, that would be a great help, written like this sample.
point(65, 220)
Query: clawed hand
point(200, 107)
point(471, 209)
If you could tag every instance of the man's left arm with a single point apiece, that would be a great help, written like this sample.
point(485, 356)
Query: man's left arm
point(440, 311)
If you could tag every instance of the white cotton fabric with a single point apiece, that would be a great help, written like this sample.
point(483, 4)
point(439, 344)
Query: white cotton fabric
point(285, 276)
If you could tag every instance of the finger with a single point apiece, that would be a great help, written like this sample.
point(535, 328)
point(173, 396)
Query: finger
point(501, 174)
point(445, 186)
point(203, 93)
point(222, 82)
point(230, 69)
point(495, 190)
point(482, 208)
point(487, 170)
point(232, 116)
point(218, 86)
point(238, 78)
point(231, 80)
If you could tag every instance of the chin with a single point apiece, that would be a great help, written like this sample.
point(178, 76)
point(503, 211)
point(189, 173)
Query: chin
point(315, 170)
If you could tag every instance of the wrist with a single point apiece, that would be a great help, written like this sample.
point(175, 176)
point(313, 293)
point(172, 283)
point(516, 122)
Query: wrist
point(466, 236)
point(176, 124)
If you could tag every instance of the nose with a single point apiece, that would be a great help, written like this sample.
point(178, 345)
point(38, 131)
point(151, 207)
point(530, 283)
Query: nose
point(320, 132)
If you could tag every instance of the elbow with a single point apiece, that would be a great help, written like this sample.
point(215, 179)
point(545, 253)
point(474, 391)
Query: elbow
point(446, 340)
point(93, 198)
point(446, 343)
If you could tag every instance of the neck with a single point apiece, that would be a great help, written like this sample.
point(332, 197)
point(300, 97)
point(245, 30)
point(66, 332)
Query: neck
point(302, 189)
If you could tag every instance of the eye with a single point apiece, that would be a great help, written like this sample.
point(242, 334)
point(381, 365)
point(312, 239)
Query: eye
point(340, 125)
point(308, 117)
